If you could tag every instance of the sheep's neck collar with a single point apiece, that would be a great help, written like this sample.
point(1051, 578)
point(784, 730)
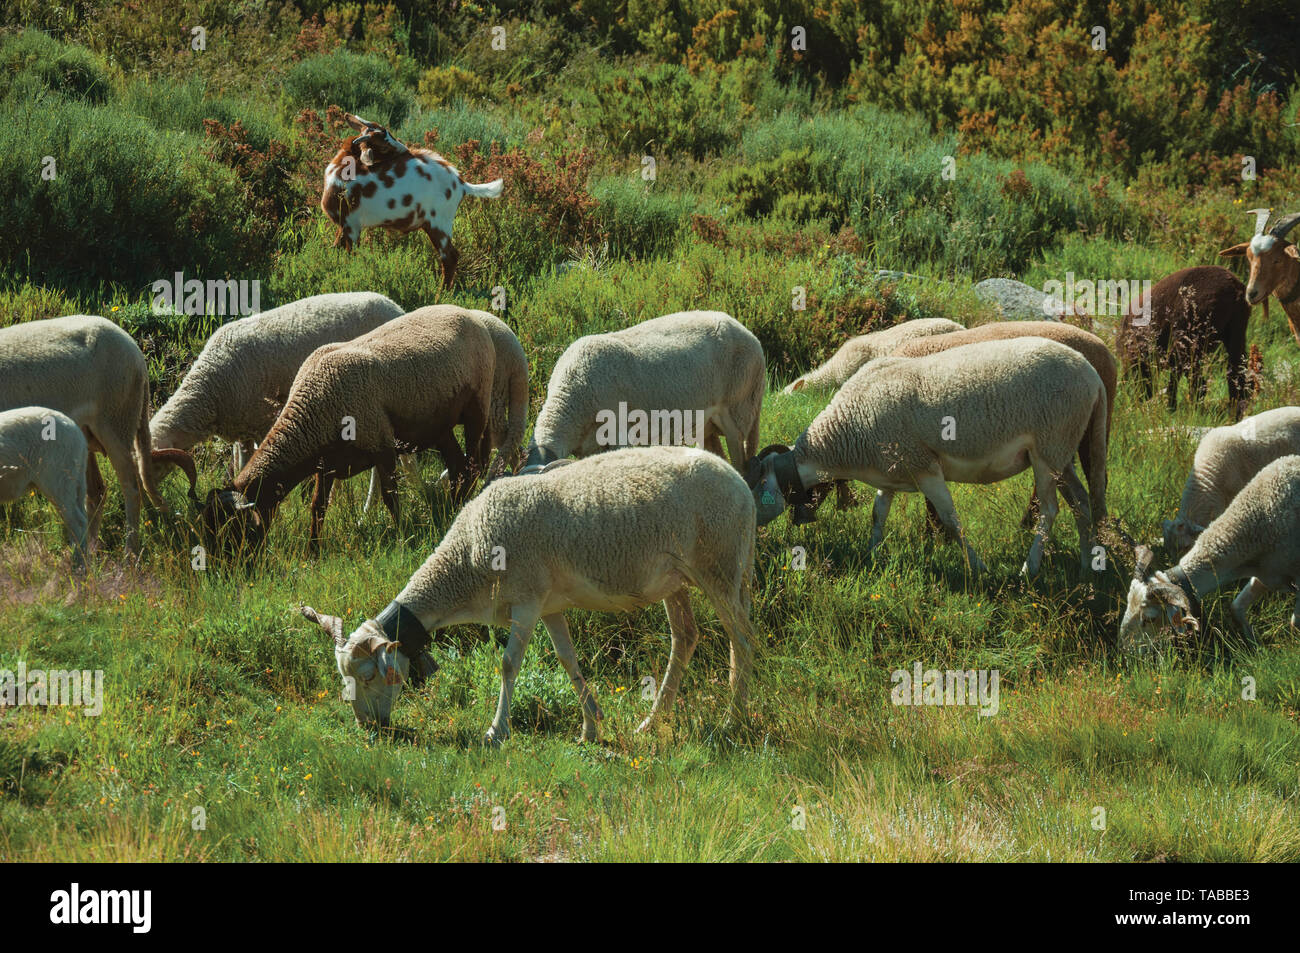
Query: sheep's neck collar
point(399, 624)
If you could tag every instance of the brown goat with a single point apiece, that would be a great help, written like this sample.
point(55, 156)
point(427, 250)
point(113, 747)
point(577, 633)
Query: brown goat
point(1274, 269)
point(1191, 313)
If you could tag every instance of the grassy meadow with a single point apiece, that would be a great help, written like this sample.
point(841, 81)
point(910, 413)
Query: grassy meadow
point(777, 188)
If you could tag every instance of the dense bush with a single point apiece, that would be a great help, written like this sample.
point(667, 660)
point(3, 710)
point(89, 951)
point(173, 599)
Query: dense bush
point(31, 61)
point(361, 83)
point(639, 219)
point(658, 110)
point(128, 204)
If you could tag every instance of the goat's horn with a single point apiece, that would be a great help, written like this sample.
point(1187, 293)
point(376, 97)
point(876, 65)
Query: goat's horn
point(1284, 225)
point(185, 461)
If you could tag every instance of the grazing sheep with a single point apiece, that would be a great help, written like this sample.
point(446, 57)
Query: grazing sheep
point(1274, 269)
point(867, 347)
point(45, 449)
point(1226, 460)
point(1256, 538)
point(1191, 312)
point(611, 533)
point(238, 383)
point(357, 404)
point(1093, 349)
point(375, 180)
point(509, 414)
point(678, 373)
point(90, 369)
point(976, 414)
point(1017, 301)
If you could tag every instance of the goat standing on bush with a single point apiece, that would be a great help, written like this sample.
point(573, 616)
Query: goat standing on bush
point(375, 180)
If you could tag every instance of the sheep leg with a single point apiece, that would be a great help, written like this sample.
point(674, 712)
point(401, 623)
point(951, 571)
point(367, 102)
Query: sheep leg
point(713, 439)
point(732, 601)
point(522, 621)
point(735, 444)
point(558, 627)
point(453, 458)
point(685, 636)
point(1245, 599)
point(936, 491)
point(1045, 484)
point(320, 500)
point(128, 476)
point(1295, 610)
point(69, 504)
point(387, 473)
point(879, 513)
point(95, 492)
point(1076, 497)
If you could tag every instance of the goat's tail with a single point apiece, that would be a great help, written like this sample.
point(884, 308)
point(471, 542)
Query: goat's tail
point(488, 190)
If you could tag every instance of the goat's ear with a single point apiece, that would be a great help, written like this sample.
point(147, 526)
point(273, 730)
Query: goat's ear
point(1291, 250)
point(1236, 251)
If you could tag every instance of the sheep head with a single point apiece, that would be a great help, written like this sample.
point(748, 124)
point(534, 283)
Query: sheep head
point(1180, 535)
point(159, 459)
point(371, 666)
point(1274, 263)
point(232, 520)
point(1156, 608)
point(773, 478)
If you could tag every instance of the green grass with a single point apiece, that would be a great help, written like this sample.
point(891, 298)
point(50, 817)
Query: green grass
point(219, 696)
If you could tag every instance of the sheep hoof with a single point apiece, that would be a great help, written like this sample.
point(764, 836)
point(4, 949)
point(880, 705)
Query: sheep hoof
point(494, 739)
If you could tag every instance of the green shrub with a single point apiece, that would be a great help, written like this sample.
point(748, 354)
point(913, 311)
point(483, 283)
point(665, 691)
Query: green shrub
point(361, 83)
point(127, 204)
point(658, 110)
point(184, 104)
point(31, 61)
point(641, 220)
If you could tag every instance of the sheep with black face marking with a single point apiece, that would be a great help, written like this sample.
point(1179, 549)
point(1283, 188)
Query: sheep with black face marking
point(857, 351)
point(1257, 538)
point(975, 414)
point(401, 388)
point(697, 365)
point(1226, 460)
point(90, 369)
point(44, 449)
point(610, 533)
point(238, 383)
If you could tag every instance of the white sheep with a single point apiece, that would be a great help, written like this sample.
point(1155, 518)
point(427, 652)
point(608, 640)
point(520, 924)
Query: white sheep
point(238, 383)
point(90, 369)
point(1226, 459)
point(44, 449)
point(610, 533)
point(867, 347)
point(688, 377)
point(974, 414)
point(509, 412)
point(1257, 538)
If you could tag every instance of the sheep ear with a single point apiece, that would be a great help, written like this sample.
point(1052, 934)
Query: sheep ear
point(1236, 251)
point(331, 624)
point(1143, 557)
point(798, 385)
point(372, 645)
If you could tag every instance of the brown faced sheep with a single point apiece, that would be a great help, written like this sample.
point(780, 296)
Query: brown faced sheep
point(1192, 312)
point(354, 405)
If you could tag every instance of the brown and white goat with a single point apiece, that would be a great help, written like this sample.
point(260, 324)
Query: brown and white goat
point(1274, 269)
point(376, 180)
